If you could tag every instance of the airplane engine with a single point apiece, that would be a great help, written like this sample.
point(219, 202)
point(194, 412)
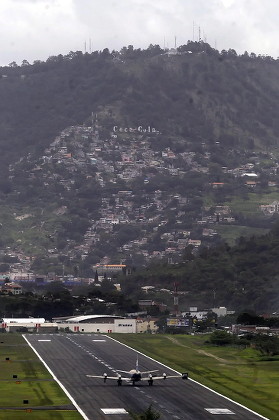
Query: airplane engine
point(164, 375)
point(150, 380)
point(119, 380)
point(105, 377)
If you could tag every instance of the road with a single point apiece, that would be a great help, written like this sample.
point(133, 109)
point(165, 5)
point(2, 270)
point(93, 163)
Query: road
point(71, 357)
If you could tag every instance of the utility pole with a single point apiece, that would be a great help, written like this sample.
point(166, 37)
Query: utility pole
point(175, 299)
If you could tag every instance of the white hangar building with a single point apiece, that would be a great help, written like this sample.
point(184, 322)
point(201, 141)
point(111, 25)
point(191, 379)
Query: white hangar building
point(27, 325)
point(97, 324)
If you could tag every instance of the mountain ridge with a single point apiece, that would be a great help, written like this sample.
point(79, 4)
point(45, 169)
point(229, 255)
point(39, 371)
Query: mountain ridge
point(84, 183)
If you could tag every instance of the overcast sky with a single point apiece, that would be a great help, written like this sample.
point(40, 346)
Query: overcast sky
point(37, 29)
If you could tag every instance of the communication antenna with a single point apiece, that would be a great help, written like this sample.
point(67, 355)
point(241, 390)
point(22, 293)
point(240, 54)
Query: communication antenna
point(204, 37)
point(175, 299)
point(199, 34)
point(175, 42)
point(90, 49)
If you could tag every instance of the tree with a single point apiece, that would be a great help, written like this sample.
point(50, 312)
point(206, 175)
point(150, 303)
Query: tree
point(267, 345)
point(220, 338)
point(25, 63)
point(13, 64)
point(250, 318)
point(148, 414)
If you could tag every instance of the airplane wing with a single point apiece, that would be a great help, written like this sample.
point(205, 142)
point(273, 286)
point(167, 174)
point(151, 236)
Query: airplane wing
point(165, 376)
point(105, 377)
point(102, 377)
point(123, 371)
point(150, 378)
point(149, 371)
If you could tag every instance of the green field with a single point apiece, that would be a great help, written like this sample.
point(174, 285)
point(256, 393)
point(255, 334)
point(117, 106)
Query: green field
point(23, 377)
point(251, 205)
point(240, 374)
point(231, 233)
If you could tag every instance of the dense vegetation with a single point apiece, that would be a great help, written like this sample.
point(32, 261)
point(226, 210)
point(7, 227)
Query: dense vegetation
point(55, 299)
point(202, 96)
point(243, 276)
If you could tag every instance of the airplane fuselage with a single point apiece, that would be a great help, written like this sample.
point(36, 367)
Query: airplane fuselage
point(135, 376)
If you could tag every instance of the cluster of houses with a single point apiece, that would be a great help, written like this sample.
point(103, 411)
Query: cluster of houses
point(107, 324)
point(127, 157)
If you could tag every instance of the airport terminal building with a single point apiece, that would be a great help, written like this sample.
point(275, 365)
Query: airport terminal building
point(103, 324)
point(96, 324)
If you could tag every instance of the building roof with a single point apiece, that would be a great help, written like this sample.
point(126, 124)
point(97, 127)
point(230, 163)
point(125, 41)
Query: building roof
point(82, 318)
point(11, 286)
point(23, 320)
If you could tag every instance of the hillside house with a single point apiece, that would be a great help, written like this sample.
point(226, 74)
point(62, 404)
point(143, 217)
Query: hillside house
point(216, 185)
point(251, 184)
point(13, 288)
point(270, 209)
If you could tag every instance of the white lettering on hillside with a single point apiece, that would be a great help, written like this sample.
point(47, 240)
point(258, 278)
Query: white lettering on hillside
point(139, 129)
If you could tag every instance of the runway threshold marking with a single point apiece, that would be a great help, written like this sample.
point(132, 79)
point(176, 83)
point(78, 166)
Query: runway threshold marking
point(57, 380)
point(99, 341)
point(44, 340)
point(114, 411)
point(219, 411)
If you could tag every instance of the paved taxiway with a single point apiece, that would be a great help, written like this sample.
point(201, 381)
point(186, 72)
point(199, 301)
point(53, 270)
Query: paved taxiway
point(71, 357)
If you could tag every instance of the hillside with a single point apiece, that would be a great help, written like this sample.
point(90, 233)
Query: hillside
point(135, 156)
point(196, 93)
point(243, 276)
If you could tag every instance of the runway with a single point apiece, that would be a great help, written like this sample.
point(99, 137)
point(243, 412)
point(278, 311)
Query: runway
point(71, 357)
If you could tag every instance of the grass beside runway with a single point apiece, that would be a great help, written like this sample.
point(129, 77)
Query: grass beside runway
point(23, 377)
point(240, 374)
point(38, 415)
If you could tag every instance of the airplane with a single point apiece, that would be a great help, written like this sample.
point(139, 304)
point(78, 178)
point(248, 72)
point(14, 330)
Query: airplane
point(135, 375)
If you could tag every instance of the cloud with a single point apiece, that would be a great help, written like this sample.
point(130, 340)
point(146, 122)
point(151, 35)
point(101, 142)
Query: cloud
point(36, 29)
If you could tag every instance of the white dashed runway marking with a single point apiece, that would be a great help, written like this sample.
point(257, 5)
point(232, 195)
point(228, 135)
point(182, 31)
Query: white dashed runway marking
point(219, 411)
point(114, 411)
